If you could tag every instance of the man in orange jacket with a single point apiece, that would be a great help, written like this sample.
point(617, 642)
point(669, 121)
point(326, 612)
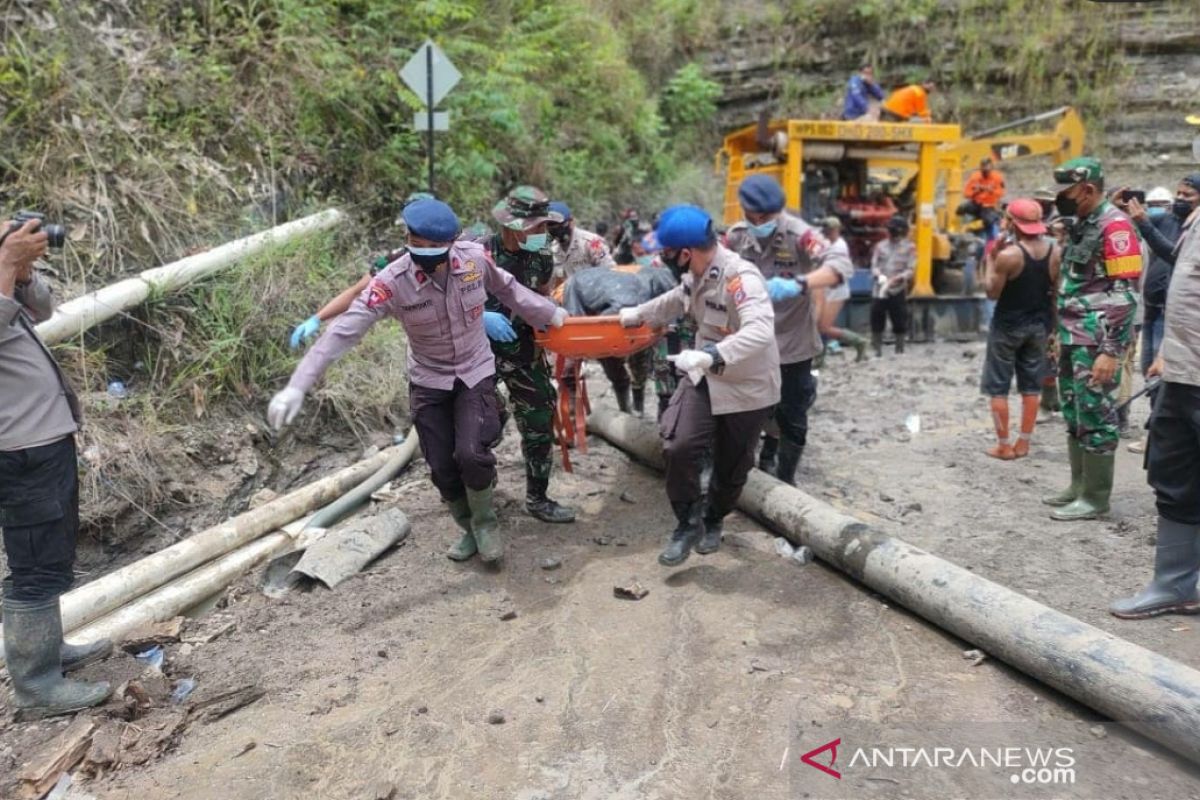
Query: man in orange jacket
point(908, 103)
point(982, 195)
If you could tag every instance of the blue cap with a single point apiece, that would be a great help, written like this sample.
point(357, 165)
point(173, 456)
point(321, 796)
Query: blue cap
point(432, 220)
point(561, 209)
point(761, 194)
point(685, 226)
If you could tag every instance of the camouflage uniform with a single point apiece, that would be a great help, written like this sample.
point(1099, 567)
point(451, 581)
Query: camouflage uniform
point(520, 363)
point(1097, 305)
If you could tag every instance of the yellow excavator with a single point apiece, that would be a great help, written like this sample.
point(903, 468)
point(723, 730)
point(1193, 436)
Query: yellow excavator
point(864, 172)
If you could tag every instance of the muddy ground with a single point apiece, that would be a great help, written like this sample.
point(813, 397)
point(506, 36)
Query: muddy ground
point(416, 680)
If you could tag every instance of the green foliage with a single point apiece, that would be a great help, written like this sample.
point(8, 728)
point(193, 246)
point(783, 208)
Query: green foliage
point(690, 98)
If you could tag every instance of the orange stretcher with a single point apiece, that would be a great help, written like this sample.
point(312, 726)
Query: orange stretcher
point(579, 339)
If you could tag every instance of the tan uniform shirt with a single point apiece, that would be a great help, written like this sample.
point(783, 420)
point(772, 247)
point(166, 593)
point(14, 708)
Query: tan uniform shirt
point(731, 309)
point(892, 259)
point(795, 248)
point(37, 407)
point(1181, 337)
point(586, 249)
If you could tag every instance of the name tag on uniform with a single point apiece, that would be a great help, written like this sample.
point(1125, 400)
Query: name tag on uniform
point(714, 305)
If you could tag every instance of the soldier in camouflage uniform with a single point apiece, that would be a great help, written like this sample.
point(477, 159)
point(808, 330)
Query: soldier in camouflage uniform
point(1097, 305)
point(522, 247)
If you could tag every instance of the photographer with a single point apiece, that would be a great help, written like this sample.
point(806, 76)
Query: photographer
point(39, 492)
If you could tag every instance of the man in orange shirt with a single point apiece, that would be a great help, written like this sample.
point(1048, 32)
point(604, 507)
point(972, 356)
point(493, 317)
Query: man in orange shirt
point(982, 195)
point(908, 104)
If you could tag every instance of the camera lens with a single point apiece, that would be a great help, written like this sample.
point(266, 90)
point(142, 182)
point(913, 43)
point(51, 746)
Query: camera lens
point(56, 236)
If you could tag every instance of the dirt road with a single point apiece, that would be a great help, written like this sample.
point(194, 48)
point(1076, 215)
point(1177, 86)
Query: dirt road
point(414, 680)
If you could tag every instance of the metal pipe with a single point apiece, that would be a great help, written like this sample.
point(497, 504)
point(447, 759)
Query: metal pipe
point(1148, 692)
point(1016, 123)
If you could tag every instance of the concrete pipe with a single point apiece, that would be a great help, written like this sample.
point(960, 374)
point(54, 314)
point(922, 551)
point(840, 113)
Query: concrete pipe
point(1150, 693)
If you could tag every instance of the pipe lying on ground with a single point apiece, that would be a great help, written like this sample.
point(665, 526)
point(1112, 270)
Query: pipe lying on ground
point(76, 316)
point(93, 600)
point(1150, 693)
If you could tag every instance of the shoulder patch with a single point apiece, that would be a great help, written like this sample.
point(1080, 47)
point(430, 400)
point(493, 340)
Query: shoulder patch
point(735, 285)
point(379, 293)
point(1122, 252)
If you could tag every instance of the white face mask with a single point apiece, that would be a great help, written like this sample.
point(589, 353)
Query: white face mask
point(428, 251)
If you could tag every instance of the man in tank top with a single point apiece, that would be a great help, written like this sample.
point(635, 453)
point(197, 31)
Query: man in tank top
point(1022, 282)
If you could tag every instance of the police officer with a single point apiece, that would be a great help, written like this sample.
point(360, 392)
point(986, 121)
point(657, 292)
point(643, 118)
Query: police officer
point(39, 493)
point(437, 290)
point(1173, 450)
point(522, 248)
point(796, 261)
point(573, 247)
point(731, 379)
point(1097, 306)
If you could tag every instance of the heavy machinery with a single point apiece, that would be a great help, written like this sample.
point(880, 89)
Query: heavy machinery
point(864, 172)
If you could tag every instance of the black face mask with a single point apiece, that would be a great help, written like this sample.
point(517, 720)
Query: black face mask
point(672, 263)
point(1181, 208)
point(428, 263)
point(1066, 206)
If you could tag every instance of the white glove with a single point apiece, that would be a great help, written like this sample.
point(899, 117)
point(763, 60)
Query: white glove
point(560, 316)
point(285, 405)
point(694, 362)
point(630, 318)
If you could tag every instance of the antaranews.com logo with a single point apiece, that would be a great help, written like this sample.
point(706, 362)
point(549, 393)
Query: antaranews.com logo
point(1038, 766)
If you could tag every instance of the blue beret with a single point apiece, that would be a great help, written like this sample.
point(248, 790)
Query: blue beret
point(431, 219)
point(562, 209)
point(685, 226)
point(761, 194)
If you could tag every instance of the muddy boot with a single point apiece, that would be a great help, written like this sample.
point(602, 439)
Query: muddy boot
point(639, 402)
point(789, 459)
point(859, 343)
point(1049, 401)
point(623, 396)
point(1097, 489)
point(1068, 495)
point(710, 539)
point(1176, 567)
point(542, 507)
point(1003, 450)
point(877, 344)
point(484, 525)
point(76, 656)
point(766, 456)
point(466, 547)
point(689, 530)
point(33, 643)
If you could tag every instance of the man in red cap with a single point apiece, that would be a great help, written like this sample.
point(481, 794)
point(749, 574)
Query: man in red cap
point(1022, 282)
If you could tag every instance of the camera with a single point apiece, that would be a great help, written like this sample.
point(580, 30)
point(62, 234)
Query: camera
point(56, 235)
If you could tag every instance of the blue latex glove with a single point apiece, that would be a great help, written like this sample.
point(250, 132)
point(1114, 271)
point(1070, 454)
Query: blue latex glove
point(780, 289)
point(498, 328)
point(305, 331)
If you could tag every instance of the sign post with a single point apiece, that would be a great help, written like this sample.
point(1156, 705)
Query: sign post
point(431, 76)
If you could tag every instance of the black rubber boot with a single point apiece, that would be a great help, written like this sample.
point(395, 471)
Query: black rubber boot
point(789, 459)
point(689, 530)
point(542, 507)
point(622, 395)
point(466, 546)
point(33, 643)
point(766, 456)
point(1176, 567)
point(899, 343)
point(710, 539)
point(639, 402)
point(75, 656)
point(877, 344)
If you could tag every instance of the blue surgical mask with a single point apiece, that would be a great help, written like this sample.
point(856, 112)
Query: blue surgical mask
point(428, 251)
point(535, 242)
point(764, 230)
point(645, 261)
point(1156, 211)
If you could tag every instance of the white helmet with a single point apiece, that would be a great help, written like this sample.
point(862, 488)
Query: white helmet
point(1159, 194)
